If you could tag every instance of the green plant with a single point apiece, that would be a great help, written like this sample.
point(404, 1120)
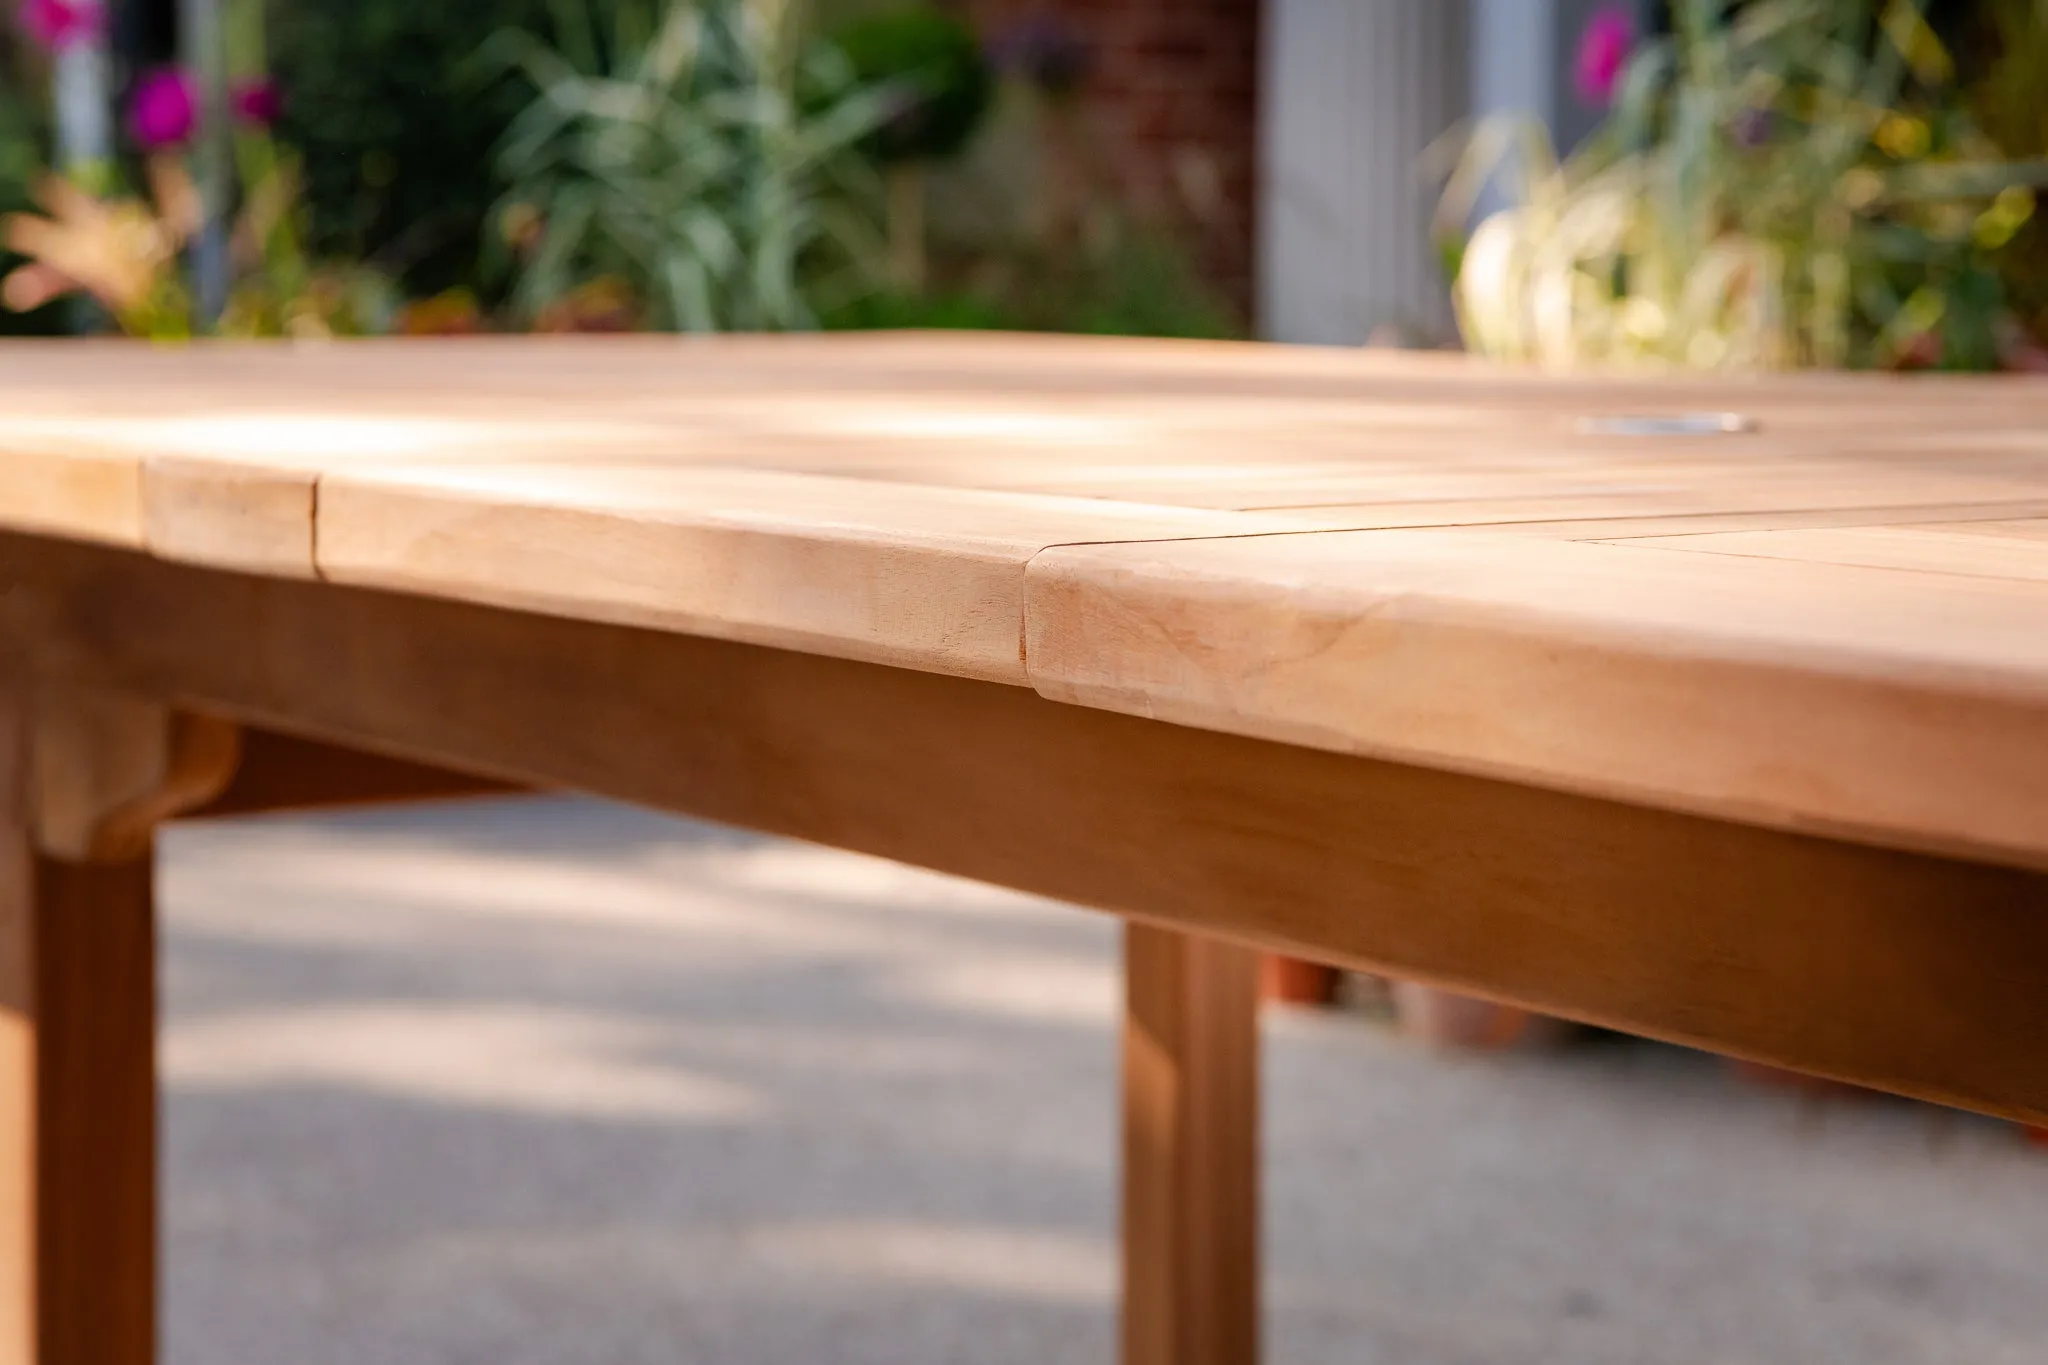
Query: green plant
point(939, 85)
point(395, 129)
point(1120, 278)
point(701, 153)
point(1785, 182)
point(950, 310)
point(141, 258)
point(24, 156)
point(126, 253)
point(935, 67)
point(2007, 103)
point(1137, 281)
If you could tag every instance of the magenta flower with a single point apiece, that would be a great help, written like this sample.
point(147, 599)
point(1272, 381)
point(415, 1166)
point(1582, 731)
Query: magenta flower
point(60, 23)
point(1603, 53)
point(258, 102)
point(164, 109)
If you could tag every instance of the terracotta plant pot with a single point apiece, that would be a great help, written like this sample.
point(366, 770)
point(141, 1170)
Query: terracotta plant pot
point(1292, 981)
point(1444, 1018)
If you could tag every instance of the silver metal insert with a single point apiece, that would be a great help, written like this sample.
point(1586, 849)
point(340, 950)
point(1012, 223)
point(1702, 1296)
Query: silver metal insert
point(1669, 424)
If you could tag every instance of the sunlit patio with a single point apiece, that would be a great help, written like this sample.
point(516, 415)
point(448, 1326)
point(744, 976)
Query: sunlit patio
point(552, 1080)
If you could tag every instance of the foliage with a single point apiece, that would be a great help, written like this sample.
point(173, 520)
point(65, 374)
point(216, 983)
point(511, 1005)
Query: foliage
point(1788, 182)
point(701, 154)
point(1136, 282)
point(1046, 51)
point(121, 252)
point(2009, 105)
point(126, 253)
point(395, 129)
point(935, 65)
point(951, 310)
point(149, 262)
point(24, 153)
point(1120, 279)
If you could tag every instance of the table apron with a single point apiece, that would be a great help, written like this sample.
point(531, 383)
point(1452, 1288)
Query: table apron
point(1896, 969)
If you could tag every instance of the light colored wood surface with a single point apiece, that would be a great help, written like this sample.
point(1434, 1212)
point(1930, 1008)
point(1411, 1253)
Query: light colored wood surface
point(70, 489)
point(1906, 707)
point(1303, 544)
point(1892, 969)
point(924, 577)
point(1190, 1150)
point(1999, 549)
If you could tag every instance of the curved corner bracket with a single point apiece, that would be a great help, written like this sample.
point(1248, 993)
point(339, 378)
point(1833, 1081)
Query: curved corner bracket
point(107, 767)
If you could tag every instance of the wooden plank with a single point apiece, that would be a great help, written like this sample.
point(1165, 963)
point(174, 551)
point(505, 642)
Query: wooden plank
point(1901, 708)
point(285, 772)
point(927, 578)
point(77, 1103)
point(1190, 1150)
point(2033, 525)
point(107, 766)
point(1959, 517)
point(2002, 549)
point(70, 490)
point(230, 513)
point(228, 444)
point(1892, 969)
point(1450, 495)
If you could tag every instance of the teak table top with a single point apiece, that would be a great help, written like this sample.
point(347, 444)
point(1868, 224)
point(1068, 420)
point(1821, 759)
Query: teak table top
point(1833, 617)
point(1716, 711)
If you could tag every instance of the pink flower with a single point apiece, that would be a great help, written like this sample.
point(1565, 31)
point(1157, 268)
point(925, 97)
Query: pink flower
point(164, 109)
point(60, 23)
point(1603, 53)
point(258, 102)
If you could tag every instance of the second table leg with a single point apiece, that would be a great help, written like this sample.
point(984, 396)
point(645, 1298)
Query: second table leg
point(77, 1112)
point(1190, 1150)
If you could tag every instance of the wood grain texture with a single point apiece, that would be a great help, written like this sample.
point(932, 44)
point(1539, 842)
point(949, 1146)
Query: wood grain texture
point(107, 766)
point(928, 578)
point(229, 513)
point(1892, 969)
point(1190, 1150)
point(77, 1098)
point(876, 497)
point(70, 490)
point(1903, 708)
point(2008, 549)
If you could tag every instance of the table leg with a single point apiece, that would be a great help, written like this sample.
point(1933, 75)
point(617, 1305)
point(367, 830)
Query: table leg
point(1190, 1148)
point(77, 1111)
point(85, 776)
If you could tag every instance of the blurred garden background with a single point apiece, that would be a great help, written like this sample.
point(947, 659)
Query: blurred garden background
point(1742, 182)
point(1685, 184)
point(253, 167)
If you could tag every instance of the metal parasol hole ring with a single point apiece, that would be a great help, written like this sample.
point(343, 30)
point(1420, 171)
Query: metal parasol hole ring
point(1668, 424)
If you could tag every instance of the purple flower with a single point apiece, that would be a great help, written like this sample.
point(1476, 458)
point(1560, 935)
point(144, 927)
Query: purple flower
point(1753, 128)
point(60, 23)
point(1044, 50)
point(164, 108)
point(258, 102)
point(1603, 52)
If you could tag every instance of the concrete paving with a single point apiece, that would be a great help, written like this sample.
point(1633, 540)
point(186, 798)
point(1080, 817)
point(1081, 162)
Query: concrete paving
point(553, 1081)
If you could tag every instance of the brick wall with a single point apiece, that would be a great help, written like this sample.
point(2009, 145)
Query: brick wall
point(1171, 101)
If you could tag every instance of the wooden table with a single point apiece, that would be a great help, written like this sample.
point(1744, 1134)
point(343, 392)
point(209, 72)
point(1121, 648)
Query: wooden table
point(1732, 731)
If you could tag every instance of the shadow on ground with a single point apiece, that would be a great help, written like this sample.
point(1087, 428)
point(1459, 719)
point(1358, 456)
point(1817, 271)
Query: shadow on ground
point(549, 1080)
